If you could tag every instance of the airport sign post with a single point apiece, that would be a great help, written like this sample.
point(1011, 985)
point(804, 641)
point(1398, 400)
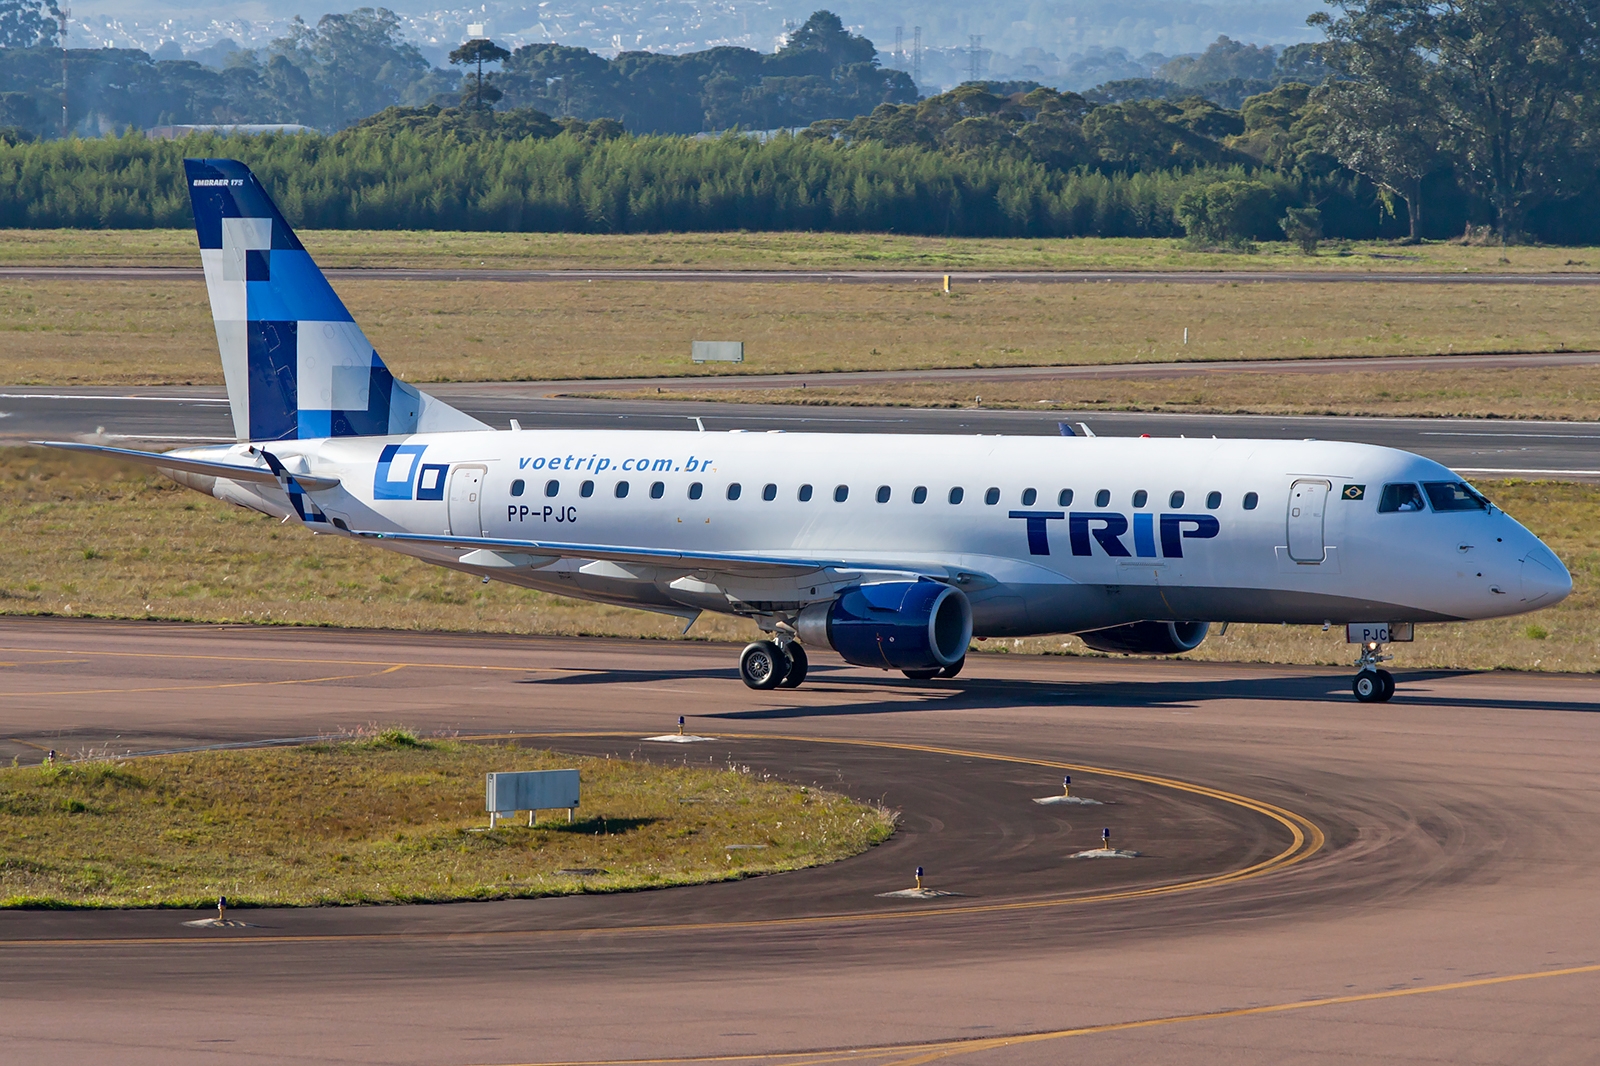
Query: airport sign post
point(531, 791)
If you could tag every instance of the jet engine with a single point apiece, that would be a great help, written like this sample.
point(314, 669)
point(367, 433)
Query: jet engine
point(895, 625)
point(1148, 638)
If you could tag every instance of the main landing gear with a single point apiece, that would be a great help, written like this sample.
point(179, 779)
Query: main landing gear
point(1372, 684)
point(766, 664)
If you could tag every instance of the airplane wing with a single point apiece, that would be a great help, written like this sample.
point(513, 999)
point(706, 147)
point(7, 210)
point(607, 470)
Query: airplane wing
point(232, 471)
point(750, 565)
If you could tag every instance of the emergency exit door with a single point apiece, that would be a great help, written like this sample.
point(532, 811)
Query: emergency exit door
point(466, 501)
point(1308, 500)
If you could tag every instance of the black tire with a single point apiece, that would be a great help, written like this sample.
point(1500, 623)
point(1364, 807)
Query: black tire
point(1367, 686)
point(763, 665)
point(921, 675)
point(954, 668)
point(798, 665)
point(1388, 686)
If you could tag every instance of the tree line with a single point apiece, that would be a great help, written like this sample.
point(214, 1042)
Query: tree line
point(1427, 119)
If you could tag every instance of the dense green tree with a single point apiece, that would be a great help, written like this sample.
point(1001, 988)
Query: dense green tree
point(478, 52)
point(29, 23)
point(1228, 213)
point(356, 64)
point(1505, 87)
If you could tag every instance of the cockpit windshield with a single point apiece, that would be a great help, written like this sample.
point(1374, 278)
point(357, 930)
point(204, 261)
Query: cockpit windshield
point(1400, 497)
point(1454, 496)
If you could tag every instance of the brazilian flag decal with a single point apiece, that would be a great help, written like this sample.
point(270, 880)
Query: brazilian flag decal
point(1354, 492)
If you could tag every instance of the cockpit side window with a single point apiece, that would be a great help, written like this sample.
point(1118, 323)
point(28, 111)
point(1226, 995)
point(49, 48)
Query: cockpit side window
point(1454, 496)
point(1402, 497)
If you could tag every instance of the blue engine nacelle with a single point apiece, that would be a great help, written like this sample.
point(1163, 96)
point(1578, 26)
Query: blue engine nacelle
point(894, 625)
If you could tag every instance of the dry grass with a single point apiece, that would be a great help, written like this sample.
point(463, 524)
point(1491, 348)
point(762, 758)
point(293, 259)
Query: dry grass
point(1570, 393)
point(59, 332)
point(393, 820)
point(774, 251)
point(81, 536)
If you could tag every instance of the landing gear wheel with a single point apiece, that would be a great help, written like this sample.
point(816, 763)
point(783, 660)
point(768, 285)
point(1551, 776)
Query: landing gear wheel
point(1367, 686)
point(763, 665)
point(954, 668)
point(921, 675)
point(1387, 679)
point(797, 666)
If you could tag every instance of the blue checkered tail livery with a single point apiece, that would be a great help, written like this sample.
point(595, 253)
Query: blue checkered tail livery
point(296, 364)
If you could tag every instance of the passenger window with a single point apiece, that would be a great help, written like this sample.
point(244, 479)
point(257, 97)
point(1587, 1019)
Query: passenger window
point(658, 489)
point(733, 491)
point(770, 492)
point(841, 493)
point(1029, 496)
point(1141, 498)
point(1102, 498)
point(1064, 498)
point(956, 494)
point(805, 494)
point(695, 490)
point(622, 489)
point(991, 497)
point(586, 489)
point(552, 487)
point(1455, 496)
point(1402, 497)
point(1214, 500)
point(518, 486)
point(883, 493)
point(919, 494)
point(1176, 499)
point(1250, 501)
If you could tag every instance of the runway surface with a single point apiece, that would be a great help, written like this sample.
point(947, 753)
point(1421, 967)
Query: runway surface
point(847, 277)
point(1440, 904)
point(169, 417)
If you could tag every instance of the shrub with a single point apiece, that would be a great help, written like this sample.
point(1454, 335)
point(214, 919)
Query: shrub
point(1227, 213)
point(1303, 226)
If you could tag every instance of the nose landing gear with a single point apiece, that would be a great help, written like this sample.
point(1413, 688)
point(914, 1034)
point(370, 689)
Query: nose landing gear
point(1372, 684)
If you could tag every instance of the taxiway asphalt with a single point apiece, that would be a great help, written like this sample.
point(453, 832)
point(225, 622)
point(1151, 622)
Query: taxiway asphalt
point(1440, 904)
point(168, 417)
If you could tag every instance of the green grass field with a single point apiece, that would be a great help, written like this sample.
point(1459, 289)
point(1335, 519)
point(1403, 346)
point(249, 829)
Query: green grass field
point(393, 819)
point(81, 536)
point(770, 251)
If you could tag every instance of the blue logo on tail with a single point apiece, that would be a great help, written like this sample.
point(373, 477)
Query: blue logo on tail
point(296, 363)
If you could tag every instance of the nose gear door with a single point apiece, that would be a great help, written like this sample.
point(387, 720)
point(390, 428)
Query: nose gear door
point(1308, 499)
point(466, 501)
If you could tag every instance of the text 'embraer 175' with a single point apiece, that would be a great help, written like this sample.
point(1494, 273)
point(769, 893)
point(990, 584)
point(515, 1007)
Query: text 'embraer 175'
point(895, 551)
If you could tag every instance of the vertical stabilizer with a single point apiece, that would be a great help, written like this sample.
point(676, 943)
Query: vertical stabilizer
point(295, 362)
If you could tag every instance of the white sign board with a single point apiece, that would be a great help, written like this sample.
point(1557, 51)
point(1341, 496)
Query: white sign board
point(1377, 632)
point(529, 790)
point(718, 351)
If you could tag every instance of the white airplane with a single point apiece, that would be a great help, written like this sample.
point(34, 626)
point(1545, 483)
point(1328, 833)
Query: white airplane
point(895, 551)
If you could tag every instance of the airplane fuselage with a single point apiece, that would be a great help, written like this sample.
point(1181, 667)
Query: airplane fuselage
point(1043, 534)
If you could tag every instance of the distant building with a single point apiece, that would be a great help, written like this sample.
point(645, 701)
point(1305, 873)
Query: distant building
point(173, 133)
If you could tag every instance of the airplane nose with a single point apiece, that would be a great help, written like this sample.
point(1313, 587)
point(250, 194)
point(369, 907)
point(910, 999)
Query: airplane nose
point(1544, 579)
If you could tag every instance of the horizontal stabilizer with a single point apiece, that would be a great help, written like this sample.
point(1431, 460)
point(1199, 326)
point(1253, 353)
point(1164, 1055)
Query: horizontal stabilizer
point(231, 471)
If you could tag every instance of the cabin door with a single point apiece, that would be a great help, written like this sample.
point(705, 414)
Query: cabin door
point(466, 506)
point(1308, 499)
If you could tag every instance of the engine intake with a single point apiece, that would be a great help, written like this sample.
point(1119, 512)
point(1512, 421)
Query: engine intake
point(895, 625)
point(1148, 638)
